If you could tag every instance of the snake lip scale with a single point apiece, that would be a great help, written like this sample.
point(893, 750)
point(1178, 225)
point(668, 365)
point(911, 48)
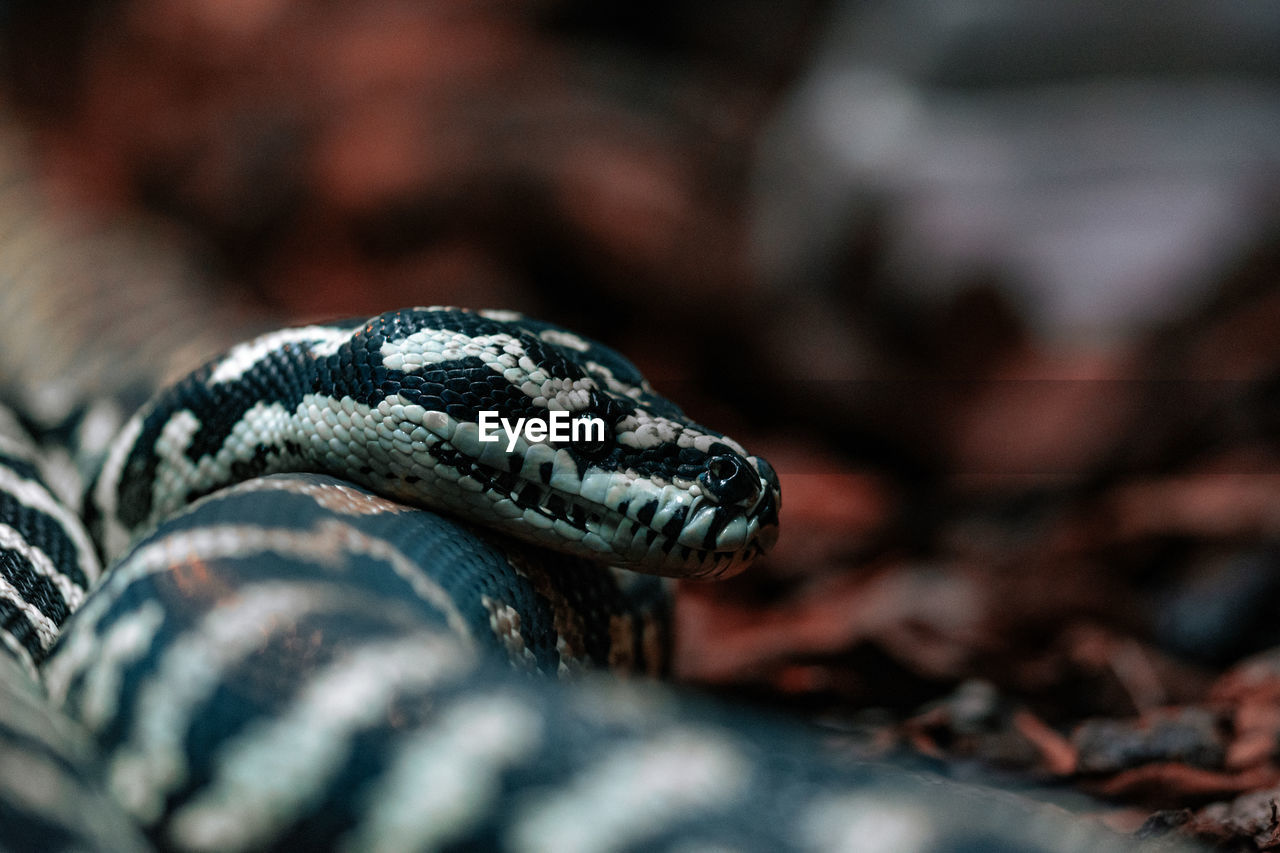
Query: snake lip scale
point(569, 515)
point(392, 403)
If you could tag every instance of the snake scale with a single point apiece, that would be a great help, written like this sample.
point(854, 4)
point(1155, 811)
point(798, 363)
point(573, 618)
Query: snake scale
point(332, 618)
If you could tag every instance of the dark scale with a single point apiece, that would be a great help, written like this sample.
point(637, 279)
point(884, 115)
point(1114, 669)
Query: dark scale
point(719, 518)
point(657, 461)
point(528, 497)
point(32, 586)
point(690, 462)
point(645, 514)
point(673, 527)
point(504, 481)
point(22, 467)
point(16, 624)
point(46, 532)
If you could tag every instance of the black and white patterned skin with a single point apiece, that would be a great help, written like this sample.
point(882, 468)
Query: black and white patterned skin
point(50, 791)
point(51, 797)
point(47, 561)
point(296, 663)
point(393, 403)
point(310, 659)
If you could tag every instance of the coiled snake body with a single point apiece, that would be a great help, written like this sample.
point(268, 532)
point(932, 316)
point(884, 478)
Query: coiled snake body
point(328, 601)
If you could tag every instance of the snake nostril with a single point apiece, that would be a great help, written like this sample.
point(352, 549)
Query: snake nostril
point(730, 480)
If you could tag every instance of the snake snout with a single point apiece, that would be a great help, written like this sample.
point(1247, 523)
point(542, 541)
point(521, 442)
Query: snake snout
point(738, 506)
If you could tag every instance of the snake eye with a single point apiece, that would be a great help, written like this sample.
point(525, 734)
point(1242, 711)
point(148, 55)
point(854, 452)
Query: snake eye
point(721, 467)
point(729, 479)
point(592, 435)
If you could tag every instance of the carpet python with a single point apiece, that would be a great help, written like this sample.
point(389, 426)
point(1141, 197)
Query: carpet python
point(333, 618)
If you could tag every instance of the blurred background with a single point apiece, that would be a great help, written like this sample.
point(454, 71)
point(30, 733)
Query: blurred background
point(994, 285)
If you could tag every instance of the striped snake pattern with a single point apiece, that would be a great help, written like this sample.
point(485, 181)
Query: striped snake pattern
point(301, 605)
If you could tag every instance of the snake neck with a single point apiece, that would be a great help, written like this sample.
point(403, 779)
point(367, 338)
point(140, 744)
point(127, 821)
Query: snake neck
point(226, 422)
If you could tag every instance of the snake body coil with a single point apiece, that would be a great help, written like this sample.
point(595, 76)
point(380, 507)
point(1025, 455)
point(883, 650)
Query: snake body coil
point(326, 603)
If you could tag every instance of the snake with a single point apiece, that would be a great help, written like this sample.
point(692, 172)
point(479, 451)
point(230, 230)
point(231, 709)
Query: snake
point(294, 598)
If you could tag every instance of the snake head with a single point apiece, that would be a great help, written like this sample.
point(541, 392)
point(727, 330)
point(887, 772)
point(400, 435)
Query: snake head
point(456, 410)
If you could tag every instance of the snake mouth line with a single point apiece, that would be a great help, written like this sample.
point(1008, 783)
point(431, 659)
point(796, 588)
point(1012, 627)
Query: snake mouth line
point(613, 526)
